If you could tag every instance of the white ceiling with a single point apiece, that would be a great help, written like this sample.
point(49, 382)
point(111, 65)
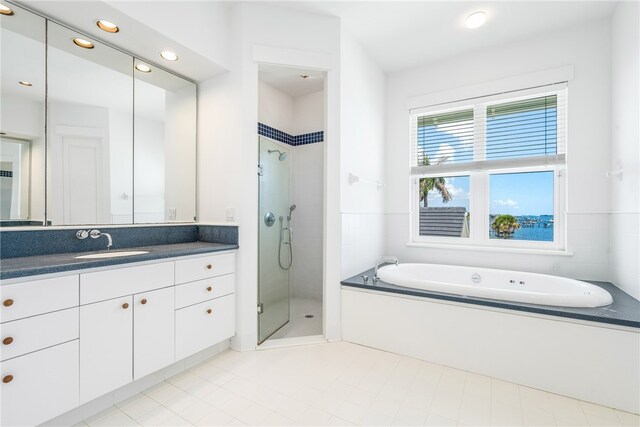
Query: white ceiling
point(289, 80)
point(137, 38)
point(400, 35)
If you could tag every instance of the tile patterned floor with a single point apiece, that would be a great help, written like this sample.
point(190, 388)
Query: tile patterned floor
point(346, 384)
point(300, 326)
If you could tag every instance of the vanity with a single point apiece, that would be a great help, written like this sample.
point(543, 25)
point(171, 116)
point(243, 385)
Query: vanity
point(72, 336)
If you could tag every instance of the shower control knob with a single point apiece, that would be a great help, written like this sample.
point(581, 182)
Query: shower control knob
point(365, 279)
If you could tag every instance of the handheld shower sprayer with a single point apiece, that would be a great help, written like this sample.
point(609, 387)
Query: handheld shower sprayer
point(291, 209)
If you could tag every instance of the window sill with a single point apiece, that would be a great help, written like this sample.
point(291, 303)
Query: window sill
point(556, 252)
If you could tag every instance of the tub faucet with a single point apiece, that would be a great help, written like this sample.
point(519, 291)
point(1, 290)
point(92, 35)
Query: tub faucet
point(383, 259)
point(97, 233)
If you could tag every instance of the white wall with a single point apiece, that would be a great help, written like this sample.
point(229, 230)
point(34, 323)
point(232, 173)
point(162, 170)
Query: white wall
point(150, 170)
point(275, 108)
point(307, 182)
point(121, 159)
point(227, 138)
point(308, 113)
point(587, 49)
point(180, 154)
point(625, 148)
point(362, 134)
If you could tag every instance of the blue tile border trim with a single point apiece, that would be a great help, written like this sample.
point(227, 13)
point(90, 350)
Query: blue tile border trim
point(294, 140)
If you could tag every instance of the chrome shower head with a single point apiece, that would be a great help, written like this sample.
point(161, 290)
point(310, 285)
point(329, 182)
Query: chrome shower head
point(282, 155)
point(291, 209)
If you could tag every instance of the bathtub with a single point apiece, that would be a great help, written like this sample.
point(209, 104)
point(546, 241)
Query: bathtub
point(495, 284)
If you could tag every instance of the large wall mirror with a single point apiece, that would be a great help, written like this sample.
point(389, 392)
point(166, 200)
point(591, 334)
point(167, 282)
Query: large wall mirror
point(90, 131)
point(165, 135)
point(120, 144)
point(22, 118)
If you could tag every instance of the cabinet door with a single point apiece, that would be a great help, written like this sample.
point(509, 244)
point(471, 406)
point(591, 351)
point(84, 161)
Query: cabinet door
point(202, 325)
point(106, 347)
point(39, 386)
point(153, 331)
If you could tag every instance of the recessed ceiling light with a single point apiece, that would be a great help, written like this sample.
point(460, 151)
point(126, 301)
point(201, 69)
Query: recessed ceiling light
point(83, 43)
point(4, 10)
point(304, 76)
point(476, 19)
point(23, 83)
point(168, 55)
point(107, 26)
point(143, 68)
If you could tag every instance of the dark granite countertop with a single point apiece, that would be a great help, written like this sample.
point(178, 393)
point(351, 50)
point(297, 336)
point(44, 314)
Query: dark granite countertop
point(624, 311)
point(11, 268)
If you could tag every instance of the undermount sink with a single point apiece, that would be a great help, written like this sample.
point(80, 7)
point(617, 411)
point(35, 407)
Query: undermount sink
point(112, 254)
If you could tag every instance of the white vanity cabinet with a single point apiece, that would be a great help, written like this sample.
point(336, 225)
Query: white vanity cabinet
point(205, 302)
point(106, 346)
point(38, 350)
point(125, 337)
point(153, 331)
point(69, 339)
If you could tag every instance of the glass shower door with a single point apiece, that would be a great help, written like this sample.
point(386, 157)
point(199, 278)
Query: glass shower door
point(273, 280)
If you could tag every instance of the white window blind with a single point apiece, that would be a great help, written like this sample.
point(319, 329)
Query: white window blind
point(505, 130)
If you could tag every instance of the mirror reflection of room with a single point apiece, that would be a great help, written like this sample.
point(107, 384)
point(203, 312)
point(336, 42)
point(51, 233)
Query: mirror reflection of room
point(22, 118)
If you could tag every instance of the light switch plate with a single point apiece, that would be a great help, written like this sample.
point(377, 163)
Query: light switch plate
point(172, 214)
point(230, 214)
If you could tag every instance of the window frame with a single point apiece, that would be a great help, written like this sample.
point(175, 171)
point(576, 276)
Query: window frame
point(480, 169)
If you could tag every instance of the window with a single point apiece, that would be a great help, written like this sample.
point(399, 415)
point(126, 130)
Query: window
point(491, 170)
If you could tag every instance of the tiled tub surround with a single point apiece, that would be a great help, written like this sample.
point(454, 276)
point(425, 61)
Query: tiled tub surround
point(591, 354)
point(35, 252)
point(294, 140)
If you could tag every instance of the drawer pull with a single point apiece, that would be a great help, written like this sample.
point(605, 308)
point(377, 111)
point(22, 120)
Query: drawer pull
point(209, 289)
point(209, 311)
point(7, 379)
point(125, 305)
point(144, 301)
point(8, 302)
point(7, 340)
point(209, 266)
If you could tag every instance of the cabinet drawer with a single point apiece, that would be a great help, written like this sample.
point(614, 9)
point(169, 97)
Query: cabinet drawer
point(35, 333)
point(203, 325)
point(190, 270)
point(203, 290)
point(44, 385)
point(104, 285)
point(35, 297)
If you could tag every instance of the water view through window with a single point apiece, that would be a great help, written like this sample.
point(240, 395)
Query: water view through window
point(521, 206)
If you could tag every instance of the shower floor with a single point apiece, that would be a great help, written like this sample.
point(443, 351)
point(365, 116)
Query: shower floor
point(299, 325)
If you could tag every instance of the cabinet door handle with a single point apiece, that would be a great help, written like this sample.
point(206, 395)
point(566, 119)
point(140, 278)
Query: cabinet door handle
point(144, 301)
point(7, 379)
point(7, 302)
point(7, 340)
point(209, 311)
point(125, 305)
point(209, 289)
point(209, 266)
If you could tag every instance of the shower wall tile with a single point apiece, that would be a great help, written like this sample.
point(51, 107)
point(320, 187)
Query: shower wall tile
point(294, 140)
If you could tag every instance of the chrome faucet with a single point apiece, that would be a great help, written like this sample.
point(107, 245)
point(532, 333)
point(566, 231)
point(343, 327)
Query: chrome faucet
point(383, 259)
point(97, 233)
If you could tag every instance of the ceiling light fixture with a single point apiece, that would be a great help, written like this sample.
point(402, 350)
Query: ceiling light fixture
point(107, 26)
point(168, 55)
point(23, 83)
point(4, 10)
point(143, 68)
point(83, 43)
point(475, 20)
